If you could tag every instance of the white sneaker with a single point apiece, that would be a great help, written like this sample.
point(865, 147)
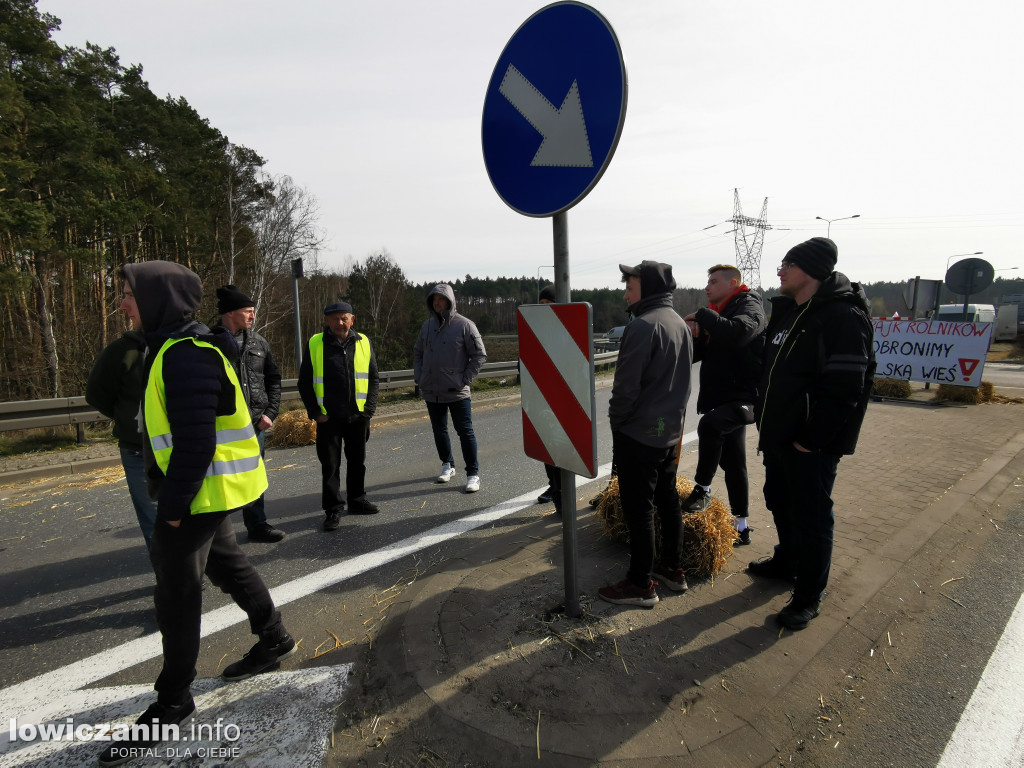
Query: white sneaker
point(447, 473)
point(472, 484)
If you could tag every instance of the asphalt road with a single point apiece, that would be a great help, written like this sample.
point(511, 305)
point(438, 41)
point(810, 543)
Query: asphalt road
point(75, 578)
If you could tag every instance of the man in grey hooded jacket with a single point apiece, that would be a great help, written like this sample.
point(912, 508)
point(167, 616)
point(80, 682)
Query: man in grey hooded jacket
point(447, 357)
point(649, 394)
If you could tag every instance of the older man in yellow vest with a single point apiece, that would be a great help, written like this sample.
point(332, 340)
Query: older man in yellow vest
point(203, 462)
point(338, 384)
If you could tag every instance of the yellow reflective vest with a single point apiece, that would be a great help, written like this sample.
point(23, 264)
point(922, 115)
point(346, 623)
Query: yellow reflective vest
point(236, 475)
point(360, 369)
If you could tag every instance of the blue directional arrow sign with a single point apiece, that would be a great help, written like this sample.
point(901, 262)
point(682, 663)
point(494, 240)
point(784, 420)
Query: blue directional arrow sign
point(554, 109)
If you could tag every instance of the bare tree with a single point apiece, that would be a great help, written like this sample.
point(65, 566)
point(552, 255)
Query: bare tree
point(285, 228)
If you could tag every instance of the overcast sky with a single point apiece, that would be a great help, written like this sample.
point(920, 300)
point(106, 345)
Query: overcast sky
point(907, 113)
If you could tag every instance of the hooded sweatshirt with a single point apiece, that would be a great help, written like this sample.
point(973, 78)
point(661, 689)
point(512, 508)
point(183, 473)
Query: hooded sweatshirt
point(196, 386)
point(818, 368)
point(448, 353)
point(652, 375)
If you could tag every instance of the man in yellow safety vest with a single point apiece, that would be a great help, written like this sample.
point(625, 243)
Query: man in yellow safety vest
point(202, 462)
point(338, 384)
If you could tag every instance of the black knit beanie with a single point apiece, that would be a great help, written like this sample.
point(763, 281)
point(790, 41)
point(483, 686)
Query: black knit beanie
point(548, 292)
point(229, 298)
point(817, 257)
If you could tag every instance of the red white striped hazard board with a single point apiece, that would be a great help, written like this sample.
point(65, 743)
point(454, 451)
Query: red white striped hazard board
point(556, 367)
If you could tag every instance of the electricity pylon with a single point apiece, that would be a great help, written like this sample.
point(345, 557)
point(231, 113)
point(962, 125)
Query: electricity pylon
point(748, 247)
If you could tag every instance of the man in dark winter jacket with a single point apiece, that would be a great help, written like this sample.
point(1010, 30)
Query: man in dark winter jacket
point(261, 386)
point(338, 383)
point(818, 368)
point(447, 357)
point(115, 390)
point(728, 339)
point(648, 402)
point(203, 461)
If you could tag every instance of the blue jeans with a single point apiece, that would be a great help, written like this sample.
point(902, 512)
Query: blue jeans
point(135, 476)
point(798, 491)
point(256, 512)
point(462, 420)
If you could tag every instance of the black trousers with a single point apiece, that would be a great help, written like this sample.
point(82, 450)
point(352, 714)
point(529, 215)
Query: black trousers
point(647, 481)
point(798, 491)
point(180, 555)
point(331, 436)
point(721, 435)
point(555, 484)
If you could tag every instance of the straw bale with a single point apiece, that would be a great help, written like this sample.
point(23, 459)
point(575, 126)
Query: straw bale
point(292, 429)
point(958, 394)
point(707, 536)
point(895, 388)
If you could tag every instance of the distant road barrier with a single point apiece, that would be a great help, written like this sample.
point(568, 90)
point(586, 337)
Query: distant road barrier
point(74, 411)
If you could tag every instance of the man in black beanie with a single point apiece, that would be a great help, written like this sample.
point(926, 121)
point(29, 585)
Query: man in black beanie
point(261, 386)
point(818, 366)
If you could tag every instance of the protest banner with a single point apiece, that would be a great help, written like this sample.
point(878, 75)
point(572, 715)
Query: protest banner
point(931, 351)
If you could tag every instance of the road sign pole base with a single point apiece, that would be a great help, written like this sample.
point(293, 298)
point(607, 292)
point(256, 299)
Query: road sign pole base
point(572, 593)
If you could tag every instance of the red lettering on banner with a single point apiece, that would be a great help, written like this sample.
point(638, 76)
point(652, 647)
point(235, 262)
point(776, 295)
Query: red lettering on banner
point(967, 367)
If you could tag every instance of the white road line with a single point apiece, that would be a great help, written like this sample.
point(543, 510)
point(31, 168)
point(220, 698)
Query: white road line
point(22, 699)
point(991, 729)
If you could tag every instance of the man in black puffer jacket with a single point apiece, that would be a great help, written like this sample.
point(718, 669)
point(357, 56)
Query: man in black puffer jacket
point(728, 340)
point(261, 387)
point(818, 368)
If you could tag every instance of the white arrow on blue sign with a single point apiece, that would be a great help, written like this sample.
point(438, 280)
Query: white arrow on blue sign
point(554, 109)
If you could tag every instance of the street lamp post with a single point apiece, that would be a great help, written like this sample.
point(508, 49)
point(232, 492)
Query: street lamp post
point(959, 255)
point(828, 229)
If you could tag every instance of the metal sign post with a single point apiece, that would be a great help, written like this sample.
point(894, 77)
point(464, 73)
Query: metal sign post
point(553, 114)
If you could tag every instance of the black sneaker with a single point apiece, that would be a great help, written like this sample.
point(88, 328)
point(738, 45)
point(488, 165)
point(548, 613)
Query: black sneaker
point(265, 532)
point(796, 616)
point(742, 538)
point(697, 501)
point(547, 497)
point(157, 717)
point(259, 658)
point(362, 506)
point(772, 568)
point(333, 521)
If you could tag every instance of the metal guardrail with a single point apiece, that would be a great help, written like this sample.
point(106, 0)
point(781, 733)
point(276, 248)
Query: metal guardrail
point(74, 411)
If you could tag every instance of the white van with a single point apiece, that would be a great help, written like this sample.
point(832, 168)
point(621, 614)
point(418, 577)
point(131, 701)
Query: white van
point(976, 313)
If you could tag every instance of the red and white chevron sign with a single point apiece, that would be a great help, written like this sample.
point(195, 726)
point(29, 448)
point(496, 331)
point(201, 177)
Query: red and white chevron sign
point(556, 367)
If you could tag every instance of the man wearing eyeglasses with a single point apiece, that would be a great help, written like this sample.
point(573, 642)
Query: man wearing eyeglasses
point(818, 367)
